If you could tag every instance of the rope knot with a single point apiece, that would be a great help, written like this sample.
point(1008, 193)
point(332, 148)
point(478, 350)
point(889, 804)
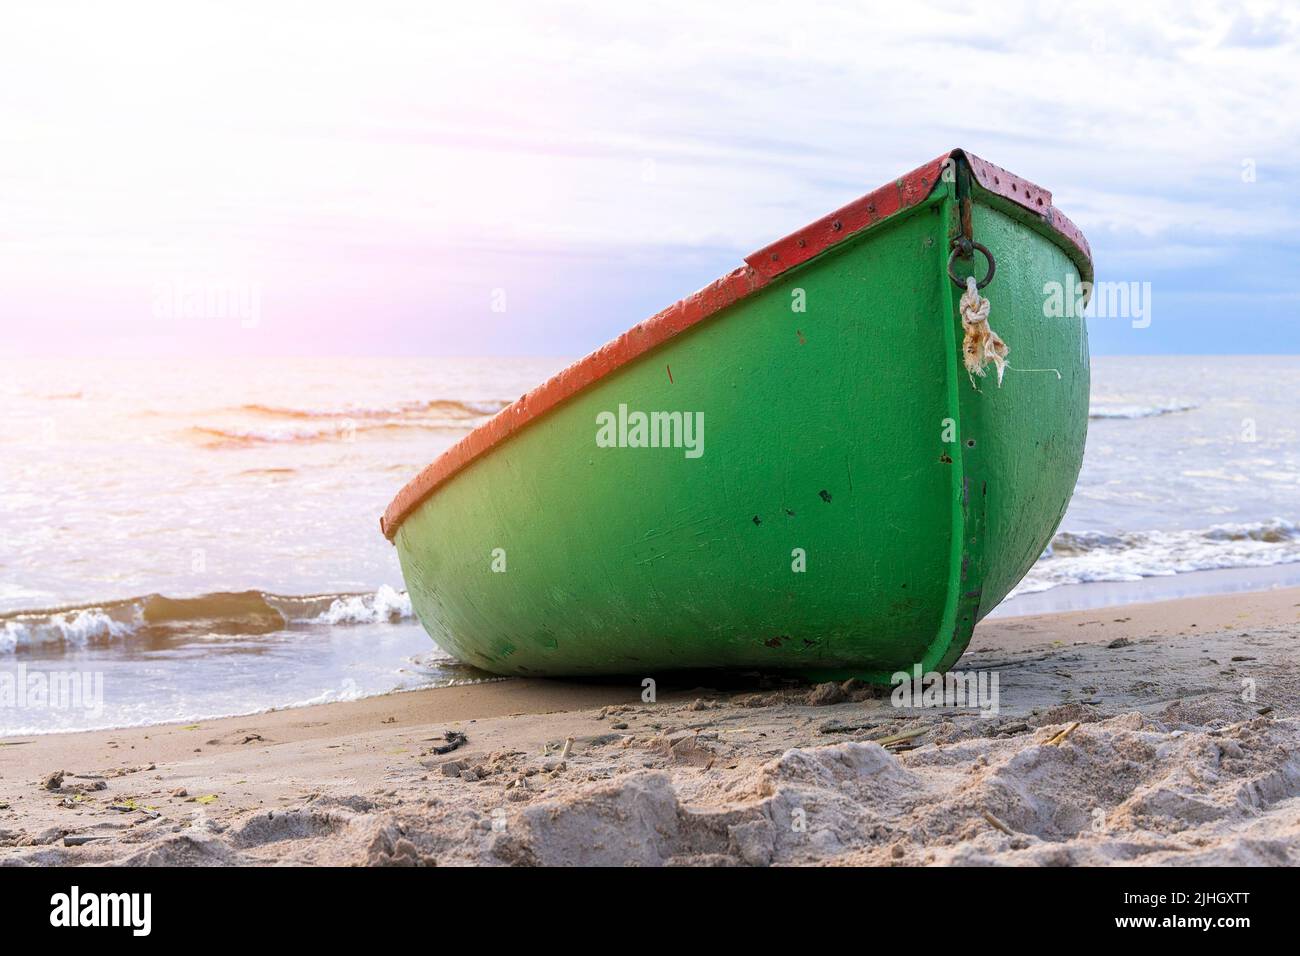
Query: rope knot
point(981, 344)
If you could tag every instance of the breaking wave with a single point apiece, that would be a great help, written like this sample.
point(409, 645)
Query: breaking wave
point(292, 425)
point(77, 627)
point(444, 407)
point(157, 619)
point(386, 604)
point(1089, 556)
point(1138, 411)
point(342, 430)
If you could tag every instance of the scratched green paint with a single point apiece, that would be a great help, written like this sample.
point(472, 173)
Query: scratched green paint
point(822, 432)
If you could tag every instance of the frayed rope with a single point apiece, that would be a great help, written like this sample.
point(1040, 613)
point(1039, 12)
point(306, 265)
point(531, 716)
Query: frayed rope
point(981, 345)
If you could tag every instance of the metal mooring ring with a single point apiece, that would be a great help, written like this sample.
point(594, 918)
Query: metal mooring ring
point(957, 247)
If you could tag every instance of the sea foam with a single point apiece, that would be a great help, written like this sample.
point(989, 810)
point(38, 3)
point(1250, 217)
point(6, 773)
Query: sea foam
point(1100, 411)
point(1089, 556)
point(71, 627)
point(386, 605)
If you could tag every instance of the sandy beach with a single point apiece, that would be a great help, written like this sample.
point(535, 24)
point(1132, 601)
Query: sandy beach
point(1122, 736)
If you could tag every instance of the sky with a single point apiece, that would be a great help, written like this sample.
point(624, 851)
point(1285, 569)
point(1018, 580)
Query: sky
point(529, 178)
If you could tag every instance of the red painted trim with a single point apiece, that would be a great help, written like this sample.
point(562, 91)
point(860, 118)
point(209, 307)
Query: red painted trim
point(759, 270)
point(799, 247)
point(1028, 195)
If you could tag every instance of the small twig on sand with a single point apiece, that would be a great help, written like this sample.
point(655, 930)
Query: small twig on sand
point(1056, 739)
point(998, 824)
point(454, 740)
point(900, 737)
point(80, 839)
point(833, 728)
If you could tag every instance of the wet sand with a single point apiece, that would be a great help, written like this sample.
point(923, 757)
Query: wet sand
point(1122, 735)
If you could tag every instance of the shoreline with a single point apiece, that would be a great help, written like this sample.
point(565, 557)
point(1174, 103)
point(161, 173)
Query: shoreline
point(1155, 589)
point(338, 782)
point(1014, 631)
point(407, 660)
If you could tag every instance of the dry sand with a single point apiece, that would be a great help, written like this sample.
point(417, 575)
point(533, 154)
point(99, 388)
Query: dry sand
point(1164, 762)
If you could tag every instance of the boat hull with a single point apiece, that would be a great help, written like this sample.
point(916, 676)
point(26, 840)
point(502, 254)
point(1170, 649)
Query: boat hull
point(850, 504)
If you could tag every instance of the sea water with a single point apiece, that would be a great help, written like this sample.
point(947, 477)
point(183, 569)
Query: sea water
point(203, 536)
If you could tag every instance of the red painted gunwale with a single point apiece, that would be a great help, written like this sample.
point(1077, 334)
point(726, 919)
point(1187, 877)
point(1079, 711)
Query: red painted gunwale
point(760, 269)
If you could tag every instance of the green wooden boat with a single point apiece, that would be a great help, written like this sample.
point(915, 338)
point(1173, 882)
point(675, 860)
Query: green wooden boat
point(792, 469)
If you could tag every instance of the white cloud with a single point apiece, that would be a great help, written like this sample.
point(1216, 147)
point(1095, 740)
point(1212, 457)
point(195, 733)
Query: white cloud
point(139, 137)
